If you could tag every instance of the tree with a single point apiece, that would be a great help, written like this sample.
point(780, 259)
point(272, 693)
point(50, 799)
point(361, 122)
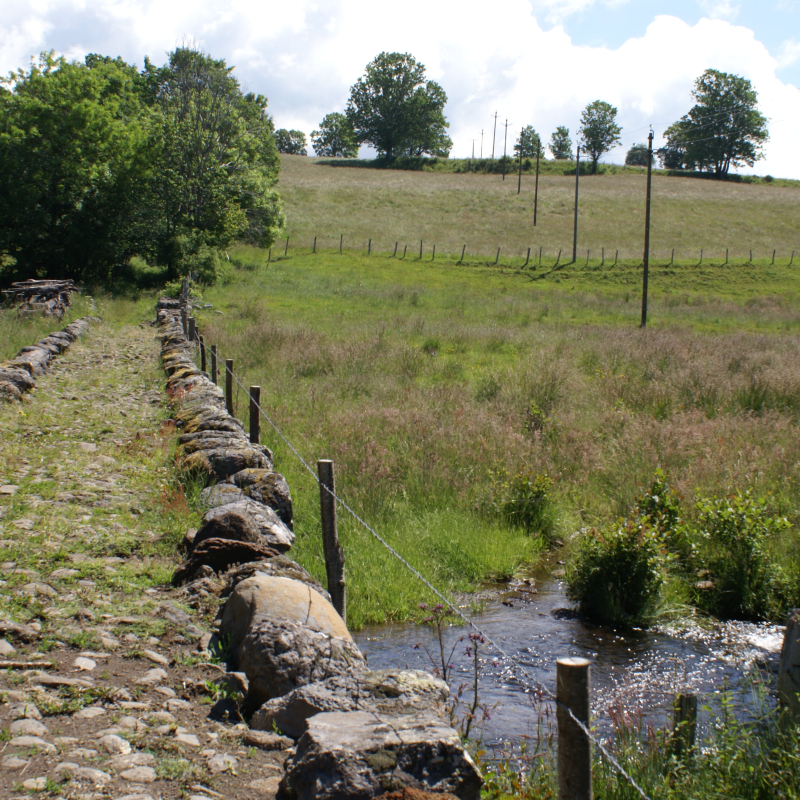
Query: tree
point(335, 137)
point(292, 142)
point(724, 129)
point(561, 144)
point(599, 130)
point(637, 156)
point(529, 144)
point(393, 108)
point(673, 154)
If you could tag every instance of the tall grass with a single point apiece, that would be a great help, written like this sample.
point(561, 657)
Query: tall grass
point(425, 382)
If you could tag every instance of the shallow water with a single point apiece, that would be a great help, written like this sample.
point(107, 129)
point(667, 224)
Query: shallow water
point(637, 672)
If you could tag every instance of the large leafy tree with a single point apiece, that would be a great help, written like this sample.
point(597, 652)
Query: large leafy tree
point(529, 144)
point(561, 144)
point(75, 167)
point(292, 142)
point(335, 137)
point(599, 130)
point(396, 110)
point(724, 128)
point(637, 156)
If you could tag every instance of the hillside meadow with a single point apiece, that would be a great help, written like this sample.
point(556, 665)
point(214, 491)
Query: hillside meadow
point(435, 385)
point(485, 212)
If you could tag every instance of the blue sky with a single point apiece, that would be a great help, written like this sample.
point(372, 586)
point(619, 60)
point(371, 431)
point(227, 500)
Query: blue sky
point(535, 62)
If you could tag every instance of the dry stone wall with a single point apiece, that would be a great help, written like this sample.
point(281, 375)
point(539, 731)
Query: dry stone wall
point(19, 375)
point(360, 733)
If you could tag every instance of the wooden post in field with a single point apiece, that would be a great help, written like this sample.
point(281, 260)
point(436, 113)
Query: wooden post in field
point(214, 364)
point(587, 257)
point(536, 186)
point(603, 257)
point(497, 257)
point(341, 239)
point(315, 245)
point(616, 256)
point(575, 229)
point(773, 258)
point(229, 385)
point(192, 329)
point(791, 259)
point(369, 247)
point(464, 250)
point(395, 249)
point(684, 728)
point(519, 180)
point(434, 253)
point(540, 256)
point(334, 555)
point(672, 257)
point(255, 415)
point(726, 255)
point(202, 353)
point(751, 256)
point(405, 247)
point(528, 257)
point(574, 746)
point(559, 257)
point(286, 249)
point(701, 255)
point(420, 249)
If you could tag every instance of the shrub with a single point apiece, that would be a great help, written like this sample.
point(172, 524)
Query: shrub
point(659, 507)
point(735, 532)
point(618, 573)
point(522, 500)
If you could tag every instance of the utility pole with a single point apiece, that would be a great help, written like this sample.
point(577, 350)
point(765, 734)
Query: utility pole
point(575, 231)
point(494, 135)
point(519, 181)
point(481, 144)
point(536, 189)
point(505, 142)
point(646, 260)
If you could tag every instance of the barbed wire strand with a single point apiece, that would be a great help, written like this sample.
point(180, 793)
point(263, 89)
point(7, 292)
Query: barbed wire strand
point(513, 659)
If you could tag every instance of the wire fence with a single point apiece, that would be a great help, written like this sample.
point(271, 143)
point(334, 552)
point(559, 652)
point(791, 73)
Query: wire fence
point(523, 675)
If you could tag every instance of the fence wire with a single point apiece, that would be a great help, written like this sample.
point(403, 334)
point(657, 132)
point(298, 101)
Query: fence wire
point(528, 678)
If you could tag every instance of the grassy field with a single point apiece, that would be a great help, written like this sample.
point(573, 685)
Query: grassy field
point(432, 385)
point(484, 212)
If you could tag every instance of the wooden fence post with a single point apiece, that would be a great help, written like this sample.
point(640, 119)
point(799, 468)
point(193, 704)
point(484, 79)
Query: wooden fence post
point(334, 555)
point(341, 239)
point(202, 353)
point(773, 258)
point(574, 746)
point(463, 250)
point(229, 385)
point(420, 249)
point(286, 249)
point(528, 257)
point(192, 329)
point(395, 249)
point(434, 253)
point(255, 415)
point(369, 247)
point(315, 245)
point(684, 729)
point(214, 375)
point(497, 257)
point(405, 247)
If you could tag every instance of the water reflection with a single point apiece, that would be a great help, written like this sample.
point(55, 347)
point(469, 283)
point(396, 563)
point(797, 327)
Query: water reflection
point(638, 671)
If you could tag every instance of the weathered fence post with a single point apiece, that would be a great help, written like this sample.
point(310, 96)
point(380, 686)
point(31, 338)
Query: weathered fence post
point(315, 245)
point(341, 239)
point(574, 746)
point(527, 258)
point(334, 555)
point(229, 385)
point(603, 257)
point(684, 728)
point(463, 250)
point(434, 253)
point(255, 415)
point(202, 353)
point(558, 258)
point(369, 247)
point(791, 259)
point(420, 249)
point(616, 257)
point(497, 257)
point(395, 249)
point(192, 329)
point(773, 258)
point(286, 249)
point(405, 247)
point(214, 364)
point(726, 254)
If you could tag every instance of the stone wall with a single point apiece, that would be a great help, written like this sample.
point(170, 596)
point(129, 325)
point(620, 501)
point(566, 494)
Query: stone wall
point(19, 375)
point(359, 733)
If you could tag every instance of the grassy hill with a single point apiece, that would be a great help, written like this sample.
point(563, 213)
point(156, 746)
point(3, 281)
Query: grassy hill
point(484, 212)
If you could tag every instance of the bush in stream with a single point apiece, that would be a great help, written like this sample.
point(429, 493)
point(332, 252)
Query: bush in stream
point(522, 500)
point(617, 572)
point(735, 534)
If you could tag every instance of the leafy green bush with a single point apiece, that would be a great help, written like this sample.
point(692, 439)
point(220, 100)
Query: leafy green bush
point(735, 535)
point(618, 572)
point(659, 506)
point(522, 500)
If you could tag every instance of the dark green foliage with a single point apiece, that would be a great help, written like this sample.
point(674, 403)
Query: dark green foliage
point(659, 507)
point(100, 162)
point(525, 501)
point(724, 128)
point(736, 533)
point(291, 142)
point(335, 137)
point(618, 572)
point(529, 143)
point(561, 144)
point(599, 130)
point(393, 108)
point(637, 156)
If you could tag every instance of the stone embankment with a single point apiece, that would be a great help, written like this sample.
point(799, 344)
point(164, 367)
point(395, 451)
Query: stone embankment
point(19, 375)
point(359, 733)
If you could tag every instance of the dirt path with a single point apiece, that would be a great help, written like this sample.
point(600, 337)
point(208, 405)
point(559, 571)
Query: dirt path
point(90, 521)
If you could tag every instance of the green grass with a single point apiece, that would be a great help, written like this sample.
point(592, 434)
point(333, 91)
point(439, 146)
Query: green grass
point(484, 212)
point(429, 382)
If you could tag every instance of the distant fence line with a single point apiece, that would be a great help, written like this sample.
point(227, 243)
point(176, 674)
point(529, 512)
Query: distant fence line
point(543, 256)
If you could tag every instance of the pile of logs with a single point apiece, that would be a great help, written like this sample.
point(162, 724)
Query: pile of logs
point(48, 297)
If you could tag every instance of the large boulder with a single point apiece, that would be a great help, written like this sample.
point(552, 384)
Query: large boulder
point(359, 755)
point(220, 494)
point(219, 555)
point(222, 462)
point(276, 567)
point(789, 667)
point(283, 634)
point(231, 524)
point(269, 488)
point(405, 691)
point(271, 530)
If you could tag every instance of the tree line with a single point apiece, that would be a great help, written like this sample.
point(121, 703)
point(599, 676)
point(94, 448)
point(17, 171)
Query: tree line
point(396, 110)
point(101, 161)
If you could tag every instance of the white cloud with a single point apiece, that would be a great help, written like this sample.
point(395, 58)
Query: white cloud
point(720, 9)
point(305, 56)
point(789, 53)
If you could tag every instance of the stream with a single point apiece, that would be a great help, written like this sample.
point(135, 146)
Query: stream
point(634, 673)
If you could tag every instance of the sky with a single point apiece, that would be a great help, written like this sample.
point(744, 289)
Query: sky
point(533, 62)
